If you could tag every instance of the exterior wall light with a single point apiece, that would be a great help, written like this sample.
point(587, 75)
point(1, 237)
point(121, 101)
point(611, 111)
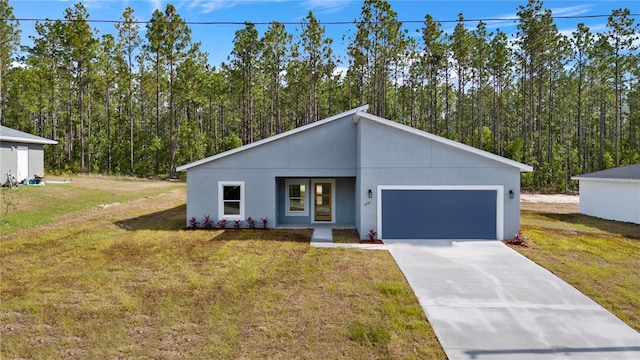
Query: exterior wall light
point(370, 194)
point(511, 194)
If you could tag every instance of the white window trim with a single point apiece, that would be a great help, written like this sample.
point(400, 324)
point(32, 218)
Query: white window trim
point(304, 182)
point(221, 185)
point(333, 200)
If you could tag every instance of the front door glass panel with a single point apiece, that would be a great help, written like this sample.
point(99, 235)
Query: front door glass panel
point(323, 202)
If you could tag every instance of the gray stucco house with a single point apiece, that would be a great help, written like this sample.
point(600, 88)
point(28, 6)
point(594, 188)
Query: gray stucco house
point(358, 170)
point(21, 154)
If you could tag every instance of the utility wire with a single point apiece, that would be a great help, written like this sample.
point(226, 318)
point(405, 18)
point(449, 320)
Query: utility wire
point(321, 23)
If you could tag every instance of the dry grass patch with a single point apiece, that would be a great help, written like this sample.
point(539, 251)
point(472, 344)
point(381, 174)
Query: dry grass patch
point(598, 257)
point(36, 205)
point(113, 283)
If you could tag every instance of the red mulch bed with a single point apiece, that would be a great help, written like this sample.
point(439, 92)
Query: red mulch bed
point(371, 241)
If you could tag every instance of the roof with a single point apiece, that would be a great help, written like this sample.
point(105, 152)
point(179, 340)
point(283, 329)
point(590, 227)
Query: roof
point(271, 138)
point(360, 112)
point(623, 173)
point(13, 135)
point(444, 141)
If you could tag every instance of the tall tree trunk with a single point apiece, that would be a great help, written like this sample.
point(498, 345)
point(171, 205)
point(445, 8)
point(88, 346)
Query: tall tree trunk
point(157, 167)
point(132, 171)
point(108, 114)
point(617, 110)
point(81, 115)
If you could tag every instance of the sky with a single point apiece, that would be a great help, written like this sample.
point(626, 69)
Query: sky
point(217, 40)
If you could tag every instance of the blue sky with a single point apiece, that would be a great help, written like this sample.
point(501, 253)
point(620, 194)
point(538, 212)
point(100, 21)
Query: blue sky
point(217, 40)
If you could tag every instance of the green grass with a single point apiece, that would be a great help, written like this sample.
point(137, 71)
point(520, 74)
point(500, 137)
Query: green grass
point(126, 281)
point(598, 257)
point(29, 206)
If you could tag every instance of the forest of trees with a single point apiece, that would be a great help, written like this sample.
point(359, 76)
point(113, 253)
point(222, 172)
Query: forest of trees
point(134, 105)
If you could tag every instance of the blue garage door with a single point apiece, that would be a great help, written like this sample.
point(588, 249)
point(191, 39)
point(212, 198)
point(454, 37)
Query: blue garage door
point(438, 214)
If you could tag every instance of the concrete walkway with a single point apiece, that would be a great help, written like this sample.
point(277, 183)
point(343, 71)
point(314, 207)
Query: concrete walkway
point(486, 301)
point(322, 235)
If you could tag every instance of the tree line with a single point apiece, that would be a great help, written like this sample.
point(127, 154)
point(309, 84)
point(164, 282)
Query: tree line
point(128, 104)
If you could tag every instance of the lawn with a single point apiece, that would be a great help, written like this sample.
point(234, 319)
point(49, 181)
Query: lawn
point(29, 206)
point(102, 268)
point(126, 281)
point(599, 257)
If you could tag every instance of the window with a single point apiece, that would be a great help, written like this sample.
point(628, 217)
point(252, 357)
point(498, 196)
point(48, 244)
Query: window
point(296, 197)
point(231, 200)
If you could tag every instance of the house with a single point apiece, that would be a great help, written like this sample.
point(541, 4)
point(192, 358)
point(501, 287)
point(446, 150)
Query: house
point(358, 170)
point(21, 154)
point(612, 194)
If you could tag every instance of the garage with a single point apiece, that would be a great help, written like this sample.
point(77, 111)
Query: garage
point(440, 212)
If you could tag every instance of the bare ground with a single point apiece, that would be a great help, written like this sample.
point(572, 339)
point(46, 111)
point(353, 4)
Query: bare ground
point(555, 203)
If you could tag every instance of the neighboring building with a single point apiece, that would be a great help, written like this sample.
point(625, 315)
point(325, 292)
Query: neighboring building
point(359, 170)
point(612, 194)
point(21, 154)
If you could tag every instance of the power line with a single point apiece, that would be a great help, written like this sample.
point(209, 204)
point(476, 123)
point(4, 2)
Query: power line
point(353, 22)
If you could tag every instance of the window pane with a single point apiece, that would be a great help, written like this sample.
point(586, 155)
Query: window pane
point(294, 190)
point(232, 208)
point(302, 190)
point(231, 192)
point(323, 211)
point(296, 204)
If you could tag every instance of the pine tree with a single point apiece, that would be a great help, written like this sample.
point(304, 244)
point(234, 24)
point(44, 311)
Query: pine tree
point(129, 40)
point(9, 41)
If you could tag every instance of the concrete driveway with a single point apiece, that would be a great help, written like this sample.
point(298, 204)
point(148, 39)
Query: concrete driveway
point(486, 301)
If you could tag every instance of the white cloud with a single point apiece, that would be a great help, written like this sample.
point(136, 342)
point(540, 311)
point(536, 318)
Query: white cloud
point(568, 32)
point(341, 71)
point(156, 5)
point(325, 6)
point(571, 10)
point(208, 6)
point(15, 64)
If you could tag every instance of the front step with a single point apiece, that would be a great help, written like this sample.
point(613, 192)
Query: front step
point(322, 235)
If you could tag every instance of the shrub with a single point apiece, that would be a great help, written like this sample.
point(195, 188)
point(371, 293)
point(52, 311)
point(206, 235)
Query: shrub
point(207, 222)
point(265, 222)
point(193, 223)
point(251, 223)
point(237, 224)
point(373, 234)
point(519, 239)
point(222, 223)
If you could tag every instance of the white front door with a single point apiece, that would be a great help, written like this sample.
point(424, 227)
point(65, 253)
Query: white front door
point(23, 163)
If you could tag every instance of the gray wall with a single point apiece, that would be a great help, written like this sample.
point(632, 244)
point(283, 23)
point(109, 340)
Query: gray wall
point(372, 153)
point(9, 158)
point(326, 151)
point(390, 156)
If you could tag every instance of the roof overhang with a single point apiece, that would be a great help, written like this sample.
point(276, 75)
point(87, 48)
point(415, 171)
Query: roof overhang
point(42, 141)
point(586, 178)
point(522, 167)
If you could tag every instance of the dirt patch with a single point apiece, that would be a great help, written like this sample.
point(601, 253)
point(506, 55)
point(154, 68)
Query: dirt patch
point(345, 236)
point(550, 198)
point(554, 203)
